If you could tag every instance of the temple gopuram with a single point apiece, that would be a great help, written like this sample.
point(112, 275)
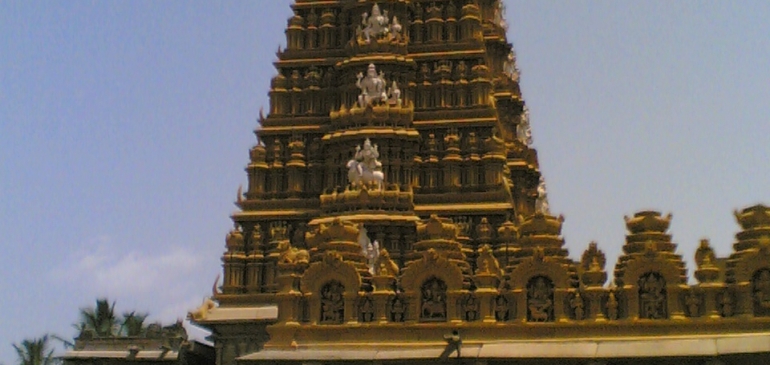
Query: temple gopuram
point(395, 213)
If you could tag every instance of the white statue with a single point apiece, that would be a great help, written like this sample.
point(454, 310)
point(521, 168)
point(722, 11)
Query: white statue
point(364, 168)
point(370, 250)
point(372, 87)
point(395, 94)
point(499, 16)
point(509, 67)
point(523, 129)
point(395, 28)
point(541, 203)
point(375, 25)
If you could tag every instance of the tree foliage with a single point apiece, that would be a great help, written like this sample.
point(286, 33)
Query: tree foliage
point(102, 321)
point(35, 351)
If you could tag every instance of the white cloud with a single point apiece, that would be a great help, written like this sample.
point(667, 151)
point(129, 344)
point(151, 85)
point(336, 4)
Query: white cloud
point(108, 271)
point(161, 283)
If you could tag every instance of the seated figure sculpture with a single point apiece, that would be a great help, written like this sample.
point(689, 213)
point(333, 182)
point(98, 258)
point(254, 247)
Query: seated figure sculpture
point(364, 168)
point(372, 87)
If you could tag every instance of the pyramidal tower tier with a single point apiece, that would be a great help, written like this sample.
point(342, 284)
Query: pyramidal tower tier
point(381, 115)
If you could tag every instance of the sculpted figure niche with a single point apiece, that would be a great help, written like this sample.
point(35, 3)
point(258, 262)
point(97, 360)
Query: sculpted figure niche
point(364, 169)
point(541, 203)
point(652, 297)
point(433, 306)
point(378, 26)
point(374, 89)
point(332, 303)
point(540, 300)
point(761, 289)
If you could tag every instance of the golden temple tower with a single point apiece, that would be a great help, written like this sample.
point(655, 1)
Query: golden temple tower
point(396, 212)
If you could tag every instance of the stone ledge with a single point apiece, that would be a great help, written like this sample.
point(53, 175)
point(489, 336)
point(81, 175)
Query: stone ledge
point(141, 355)
point(262, 313)
point(699, 346)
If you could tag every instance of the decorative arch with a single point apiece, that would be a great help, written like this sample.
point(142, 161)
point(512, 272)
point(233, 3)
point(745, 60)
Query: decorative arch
point(331, 268)
point(524, 272)
point(432, 265)
point(641, 265)
point(749, 264)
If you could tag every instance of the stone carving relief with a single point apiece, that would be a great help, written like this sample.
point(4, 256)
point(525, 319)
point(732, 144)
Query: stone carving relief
point(469, 308)
point(433, 303)
point(397, 309)
point(726, 304)
point(693, 303)
point(366, 310)
point(578, 306)
point(540, 300)
point(502, 310)
point(761, 292)
point(332, 303)
point(612, 306)
point(652, 296)
point(292, 255)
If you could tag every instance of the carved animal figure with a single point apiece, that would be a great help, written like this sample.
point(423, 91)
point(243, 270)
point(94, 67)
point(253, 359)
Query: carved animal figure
point(203, 311)
point(292, 255)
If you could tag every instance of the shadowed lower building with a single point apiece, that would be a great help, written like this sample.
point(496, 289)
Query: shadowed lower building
point(396, 213)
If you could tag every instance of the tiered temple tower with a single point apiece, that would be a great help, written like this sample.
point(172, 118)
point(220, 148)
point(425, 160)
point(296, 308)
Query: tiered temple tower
point(394, 202)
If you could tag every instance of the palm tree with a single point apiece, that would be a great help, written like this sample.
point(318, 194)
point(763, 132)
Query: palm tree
point(35, 351)
point(133, 324)
point(100, 319)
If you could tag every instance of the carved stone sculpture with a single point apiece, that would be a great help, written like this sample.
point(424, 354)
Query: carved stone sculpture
point(372, 87)
point(693, 303)
point(292, 255)
point(761, 289)
point(523, 129)
point(366, 310)
point(578, 307)
point(433, 307)
point(385, 266)
point(332, 303)
point(377, 25)
point(541, 204)
point(364, 168)
point(486, 263)
point(540, 300)
point(652, 297)
point(612, 306)
point(203, 311)
point(509, 67)
point(470, 308)
point(397, 310)
point(501, 309)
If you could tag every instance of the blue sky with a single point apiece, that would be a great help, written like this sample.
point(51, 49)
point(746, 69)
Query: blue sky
point(125, 127)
